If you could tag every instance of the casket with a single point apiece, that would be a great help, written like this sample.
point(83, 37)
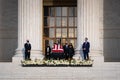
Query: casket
point(57, 49)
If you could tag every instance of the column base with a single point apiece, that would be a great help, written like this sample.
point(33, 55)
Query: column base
point(96, 53)
point(19, 56)
point(78, 55)
point(92, 54)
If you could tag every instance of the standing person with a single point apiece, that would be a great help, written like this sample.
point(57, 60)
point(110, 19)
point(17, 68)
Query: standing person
point(70, 51)
point(47, 52)
point(27, 47)
point(65, 47)
point(85, 47)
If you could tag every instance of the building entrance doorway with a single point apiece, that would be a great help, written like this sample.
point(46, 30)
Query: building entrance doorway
point(60, 22)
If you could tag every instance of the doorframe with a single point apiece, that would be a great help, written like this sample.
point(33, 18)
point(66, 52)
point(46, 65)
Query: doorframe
point(44, 39)
point(54, 3)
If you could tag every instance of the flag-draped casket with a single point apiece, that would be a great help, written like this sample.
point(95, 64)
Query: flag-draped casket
point(57, 48)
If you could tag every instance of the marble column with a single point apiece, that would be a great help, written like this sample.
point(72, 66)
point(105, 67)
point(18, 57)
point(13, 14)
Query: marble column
point(30, 26)
point(88, 25)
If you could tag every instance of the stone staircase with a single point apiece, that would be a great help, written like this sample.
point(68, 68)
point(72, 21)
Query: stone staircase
point(100, 71)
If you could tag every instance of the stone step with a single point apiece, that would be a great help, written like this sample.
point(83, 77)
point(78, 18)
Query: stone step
point(99, 71)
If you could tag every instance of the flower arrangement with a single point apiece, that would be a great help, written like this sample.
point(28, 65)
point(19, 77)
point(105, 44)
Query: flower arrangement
point(73, 62)
point(81, 62)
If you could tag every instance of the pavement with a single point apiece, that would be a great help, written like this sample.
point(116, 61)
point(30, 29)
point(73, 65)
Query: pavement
point(99, 71)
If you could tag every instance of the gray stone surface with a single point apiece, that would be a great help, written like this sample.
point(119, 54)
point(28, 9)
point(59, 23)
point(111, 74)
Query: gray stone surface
point(111, 30)
point(100, 71)
point(8, 28)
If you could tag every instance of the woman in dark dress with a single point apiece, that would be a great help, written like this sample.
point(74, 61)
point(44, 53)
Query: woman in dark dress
point(70, 51)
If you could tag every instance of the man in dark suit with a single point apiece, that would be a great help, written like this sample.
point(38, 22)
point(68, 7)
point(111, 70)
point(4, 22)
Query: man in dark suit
point(66, 49)
point(85, 47)
point(27, 47)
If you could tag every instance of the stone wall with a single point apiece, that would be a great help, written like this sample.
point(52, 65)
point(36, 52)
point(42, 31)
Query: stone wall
point(112, 30)
point(8, 28)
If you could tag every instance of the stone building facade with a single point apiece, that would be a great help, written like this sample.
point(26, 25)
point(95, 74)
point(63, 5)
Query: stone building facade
point(26, 19)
